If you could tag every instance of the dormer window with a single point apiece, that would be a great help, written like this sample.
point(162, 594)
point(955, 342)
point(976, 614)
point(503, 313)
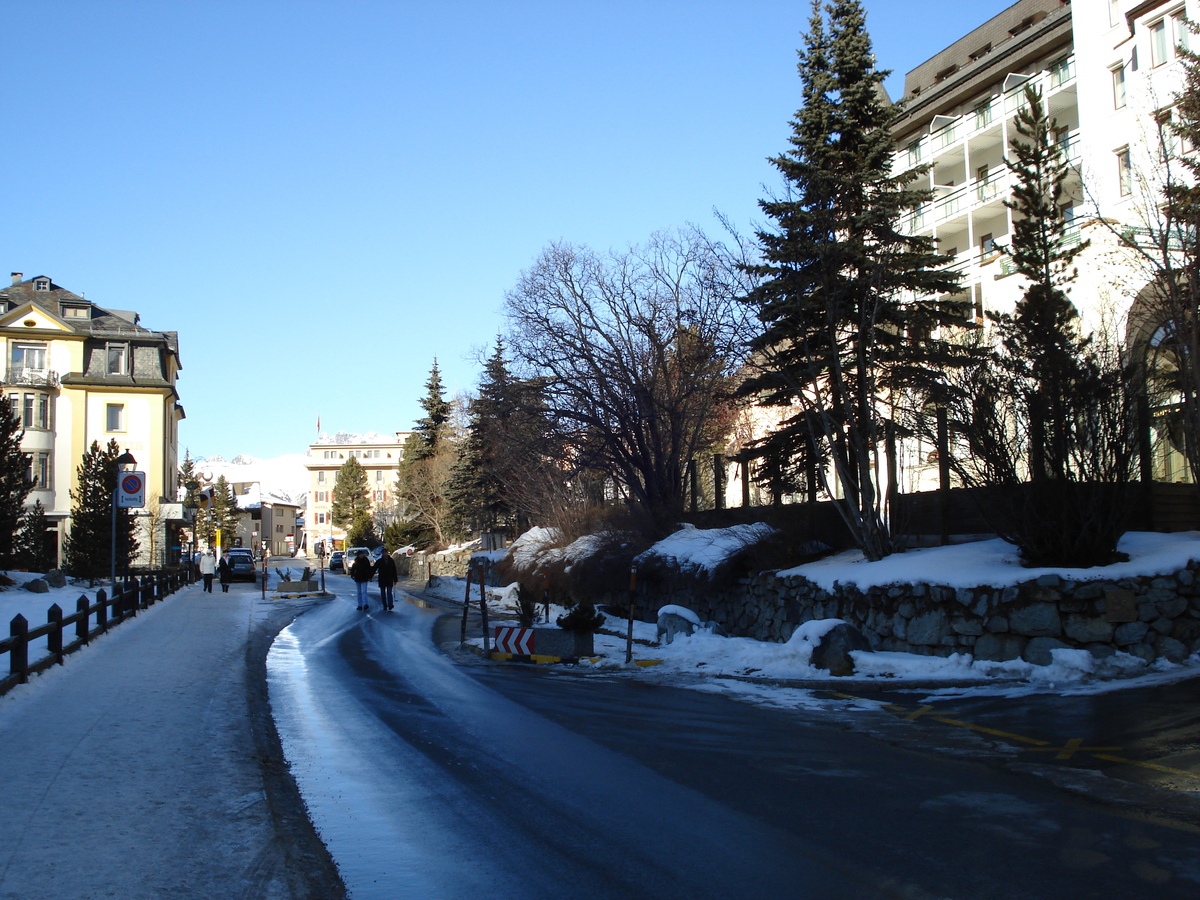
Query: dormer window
point(41, 284)
point(75, 312)
point(117, 359)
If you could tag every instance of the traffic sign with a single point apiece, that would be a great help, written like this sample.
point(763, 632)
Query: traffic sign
point(131, 490)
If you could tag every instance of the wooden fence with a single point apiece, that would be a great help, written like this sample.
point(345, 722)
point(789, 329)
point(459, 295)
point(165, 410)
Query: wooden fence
point(134, 595)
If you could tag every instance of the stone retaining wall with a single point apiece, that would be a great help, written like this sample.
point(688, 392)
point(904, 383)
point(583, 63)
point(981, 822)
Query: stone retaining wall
point(1148, 617)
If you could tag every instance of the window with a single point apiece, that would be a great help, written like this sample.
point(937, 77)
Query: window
point(1158, 43)
point(1179, 32)
point(31, 410)
point(29, 357)
point(331, 454)
point(322, 496)
point(379, 474)
point(322, 518)
point(37, 470)
point(983, 114)
point(41, 284)
point(116, 359)
point(75, 312)
point(981, 52)
point(1118, 83)
point(114, 417)
point(1173, 143)
point(1114, 12)
point(380, 496)
point(320, 478)
point(914, 153)
point(987, 246)
point(1060, 72)
point(1125, 171)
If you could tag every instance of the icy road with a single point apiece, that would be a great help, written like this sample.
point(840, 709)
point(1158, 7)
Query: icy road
point(430, 779)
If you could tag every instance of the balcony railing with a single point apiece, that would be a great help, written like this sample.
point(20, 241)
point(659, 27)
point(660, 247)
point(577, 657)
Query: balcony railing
point(32, 377)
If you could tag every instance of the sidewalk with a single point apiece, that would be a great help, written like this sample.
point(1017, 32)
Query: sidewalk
point(148, 765)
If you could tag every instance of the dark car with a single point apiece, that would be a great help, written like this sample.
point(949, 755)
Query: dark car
point(335, 561)
point(241, 561)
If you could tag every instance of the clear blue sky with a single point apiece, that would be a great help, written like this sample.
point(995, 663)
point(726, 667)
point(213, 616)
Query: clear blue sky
point(321, 197)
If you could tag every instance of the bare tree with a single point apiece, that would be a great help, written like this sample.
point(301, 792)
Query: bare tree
point(634, 353)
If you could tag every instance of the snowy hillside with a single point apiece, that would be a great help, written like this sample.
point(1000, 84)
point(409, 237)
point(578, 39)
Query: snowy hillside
point(283, 478)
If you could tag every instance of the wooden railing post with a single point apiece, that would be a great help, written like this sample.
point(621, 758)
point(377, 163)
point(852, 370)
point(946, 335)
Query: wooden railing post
point(54, 638)
point(81, 624)
point(101, 610)
point(18, 656)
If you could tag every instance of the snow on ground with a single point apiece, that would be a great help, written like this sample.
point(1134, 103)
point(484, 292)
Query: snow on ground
point(693, 548)
point(992, 562)
point(35, 607)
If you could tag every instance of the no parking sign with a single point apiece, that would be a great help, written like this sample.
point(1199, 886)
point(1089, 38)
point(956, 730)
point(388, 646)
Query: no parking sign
point(131, 490)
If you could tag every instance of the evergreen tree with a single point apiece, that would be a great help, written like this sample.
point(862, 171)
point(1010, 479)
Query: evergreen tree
point(14, 480)
point(223, 514)
point(187, 475)
point(394, 537)
point(431, 427)
point(361, 532)
point(849, 304)
point(33, 549)
point(350, 494)
point(89, 547)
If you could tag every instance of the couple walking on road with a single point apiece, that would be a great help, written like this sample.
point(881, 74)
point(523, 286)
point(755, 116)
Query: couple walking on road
point(362, 572)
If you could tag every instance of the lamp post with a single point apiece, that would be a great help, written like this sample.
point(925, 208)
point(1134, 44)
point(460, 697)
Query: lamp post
point(125, 463)
point(191, 503)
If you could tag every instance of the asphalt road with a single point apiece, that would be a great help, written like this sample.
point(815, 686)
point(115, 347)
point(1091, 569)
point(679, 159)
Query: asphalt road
point(516, 780)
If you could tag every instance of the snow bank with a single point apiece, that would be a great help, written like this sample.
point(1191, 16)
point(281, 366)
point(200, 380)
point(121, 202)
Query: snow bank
point(693, 549)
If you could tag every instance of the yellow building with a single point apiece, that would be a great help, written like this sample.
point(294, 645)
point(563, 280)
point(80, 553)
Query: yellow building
point(76, 373)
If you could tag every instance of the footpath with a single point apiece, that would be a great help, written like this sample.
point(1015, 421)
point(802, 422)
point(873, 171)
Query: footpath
point(148, 766)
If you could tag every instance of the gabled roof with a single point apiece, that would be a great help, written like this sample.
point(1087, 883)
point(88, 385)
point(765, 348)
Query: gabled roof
point(23, 296)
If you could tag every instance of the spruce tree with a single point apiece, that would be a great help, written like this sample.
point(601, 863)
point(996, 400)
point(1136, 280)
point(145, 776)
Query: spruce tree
point(350, 499)
point(223, 513)
point(89, 547)
point(431, 427)
point(33, 549)
point(14, 480)
point(849, 303)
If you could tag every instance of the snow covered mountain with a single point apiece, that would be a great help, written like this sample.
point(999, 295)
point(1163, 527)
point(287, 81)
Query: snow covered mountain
point(283, 478)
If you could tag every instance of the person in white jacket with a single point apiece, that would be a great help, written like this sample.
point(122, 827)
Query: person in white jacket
point(208, 568)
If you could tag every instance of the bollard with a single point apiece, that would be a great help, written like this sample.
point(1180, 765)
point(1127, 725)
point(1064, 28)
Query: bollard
point(629, 635)
point(466, 608)
point(483, 610)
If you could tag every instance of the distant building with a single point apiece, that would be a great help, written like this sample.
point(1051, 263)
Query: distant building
point(266, 522)
point(76, 373)
point(379, 455)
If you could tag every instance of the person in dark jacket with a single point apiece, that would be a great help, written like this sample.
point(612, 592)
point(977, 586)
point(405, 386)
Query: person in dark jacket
point(385, 571)
point(225, 571)
point(361, 571)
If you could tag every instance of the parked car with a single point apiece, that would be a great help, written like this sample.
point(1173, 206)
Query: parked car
point(335, 561)
point(352, 554)
point(241, 560)
point(375, 554)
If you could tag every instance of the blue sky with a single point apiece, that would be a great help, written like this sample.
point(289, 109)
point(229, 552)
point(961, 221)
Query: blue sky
point(321, 197)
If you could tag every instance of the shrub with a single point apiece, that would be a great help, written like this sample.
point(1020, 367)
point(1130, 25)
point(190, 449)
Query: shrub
point(581, 617)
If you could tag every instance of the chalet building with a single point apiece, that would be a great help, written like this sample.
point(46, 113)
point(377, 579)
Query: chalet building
point(76, 373)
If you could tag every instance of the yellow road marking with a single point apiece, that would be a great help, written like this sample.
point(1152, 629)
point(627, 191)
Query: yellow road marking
point(994, 731)
point(1069, 749)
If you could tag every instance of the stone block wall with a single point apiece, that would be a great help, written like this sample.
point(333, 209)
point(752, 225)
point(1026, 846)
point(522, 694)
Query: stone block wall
point(1149, 617)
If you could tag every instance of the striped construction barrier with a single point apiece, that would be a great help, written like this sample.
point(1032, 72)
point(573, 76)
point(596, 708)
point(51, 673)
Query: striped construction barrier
point(510, 639)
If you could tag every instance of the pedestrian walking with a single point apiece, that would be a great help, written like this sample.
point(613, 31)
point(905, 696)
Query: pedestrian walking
point(225, 569)
point(361, 571)
point(208, 568)
point(385, 571)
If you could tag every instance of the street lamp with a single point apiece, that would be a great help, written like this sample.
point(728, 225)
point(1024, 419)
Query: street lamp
point(125, 463)
point(191, 503)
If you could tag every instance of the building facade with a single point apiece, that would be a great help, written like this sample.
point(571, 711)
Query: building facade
point(76, 373)
point(1108, 72)
point(379, 455)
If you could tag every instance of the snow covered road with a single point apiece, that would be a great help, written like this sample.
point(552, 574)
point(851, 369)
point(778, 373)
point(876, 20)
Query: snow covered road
point(143, 768)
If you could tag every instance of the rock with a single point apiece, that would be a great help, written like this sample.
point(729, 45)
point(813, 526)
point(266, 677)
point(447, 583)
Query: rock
point(1171, 649)
point(1173, 608)
point(37, 586)
point(1049, 580)
point(997, 624)
point(927, 628)
point(832, 652)
point(999, 647)
point(1130, 633)
point(56, 579)
point(1037, 651)
point(1036, 620)
point(1088, 629)
point(967, 626)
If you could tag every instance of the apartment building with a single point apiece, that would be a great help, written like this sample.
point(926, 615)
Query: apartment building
point(76, 373)
point(378, 454)
point(1107, 71)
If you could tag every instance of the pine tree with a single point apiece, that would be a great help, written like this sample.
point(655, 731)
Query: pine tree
point(33, 549)
point(849, 303)
point(431, 427)
point(350, 494)
point(223, 514)
point(89, 547)
point(14, 480)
